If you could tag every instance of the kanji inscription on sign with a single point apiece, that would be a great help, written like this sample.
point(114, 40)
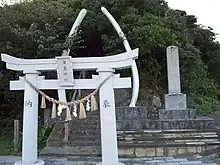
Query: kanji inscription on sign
point(64, 70)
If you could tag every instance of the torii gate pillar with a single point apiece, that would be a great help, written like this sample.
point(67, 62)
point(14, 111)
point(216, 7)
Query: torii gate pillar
point(108, 119)
point(30, 122)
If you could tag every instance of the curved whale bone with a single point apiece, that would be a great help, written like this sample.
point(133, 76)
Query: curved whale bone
point(78, 21)
point(75, 27)
point(135, 75)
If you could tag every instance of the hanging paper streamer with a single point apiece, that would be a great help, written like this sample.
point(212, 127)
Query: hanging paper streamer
point(68, 114)
point(82, 112)
point(94, 105)
point(75, 110)
point(43, 103)
point(53, 114)
point(60, 109)
point(88, 108)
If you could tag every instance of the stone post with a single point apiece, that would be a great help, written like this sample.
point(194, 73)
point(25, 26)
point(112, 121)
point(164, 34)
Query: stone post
point(30, 123)
point(173, 70)
point(16, 135)
point(175, 101)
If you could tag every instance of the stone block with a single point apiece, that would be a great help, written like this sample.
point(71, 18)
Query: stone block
point(126, 152)
point(175, 101)
point(181, 150)
point(140, 152)
point(160, 151)
point(177, 114)
point(200, 149)
point(129, 138)
point(139, 112)
point(192, 149)
point(176, 135)
point(211, 147)
point(150, 152)
point(171, 151)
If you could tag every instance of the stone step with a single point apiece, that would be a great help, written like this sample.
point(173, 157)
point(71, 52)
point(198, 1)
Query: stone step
point(84, 132)
point(155, 138)
point(176, 131)
point(162, 151)
point(71, 151)
point(147, 133)
point(148, 124)
point(87, 127)
point(126, 151)
point(140, 143)
point(169, 139)
point(89, 120)
point(82, 143)
point(165, 144)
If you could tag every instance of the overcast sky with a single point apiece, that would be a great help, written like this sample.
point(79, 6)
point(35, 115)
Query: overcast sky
point(206, 11)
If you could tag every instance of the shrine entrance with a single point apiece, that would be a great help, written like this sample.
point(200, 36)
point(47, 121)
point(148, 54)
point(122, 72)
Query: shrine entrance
point(104, 83)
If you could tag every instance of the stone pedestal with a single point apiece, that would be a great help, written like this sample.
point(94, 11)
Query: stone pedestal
point(175, 101)
point(175, 108)
point(177, 114)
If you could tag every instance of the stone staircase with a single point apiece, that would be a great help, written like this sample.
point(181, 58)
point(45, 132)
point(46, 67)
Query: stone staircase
point(165, 142)
point(84, 138)
point(138, 135)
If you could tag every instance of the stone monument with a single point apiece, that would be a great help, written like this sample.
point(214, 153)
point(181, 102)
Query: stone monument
point(175, 101)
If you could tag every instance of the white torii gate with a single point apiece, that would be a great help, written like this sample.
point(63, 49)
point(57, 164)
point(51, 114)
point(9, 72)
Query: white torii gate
point(65, 65)
point(105, 66)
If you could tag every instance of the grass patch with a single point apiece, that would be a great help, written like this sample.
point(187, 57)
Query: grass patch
point(6, 145)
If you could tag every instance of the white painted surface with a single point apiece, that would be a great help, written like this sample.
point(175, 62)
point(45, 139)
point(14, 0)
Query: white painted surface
point(74, 28)
point(108, 119)
point(135, 74)
point(64, 71)
point(30, 121)
point(173, 70)
point(120, 61)
point(136, 85)
point(79, 83)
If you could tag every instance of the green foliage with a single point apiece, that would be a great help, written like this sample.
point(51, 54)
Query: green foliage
point(44, 132)
point(5, 145)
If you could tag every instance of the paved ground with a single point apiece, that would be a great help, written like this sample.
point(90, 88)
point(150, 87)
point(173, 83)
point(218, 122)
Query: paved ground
point(9, 160)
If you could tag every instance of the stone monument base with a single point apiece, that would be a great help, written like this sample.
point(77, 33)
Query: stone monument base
point(177, 114)
point(175, 101)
